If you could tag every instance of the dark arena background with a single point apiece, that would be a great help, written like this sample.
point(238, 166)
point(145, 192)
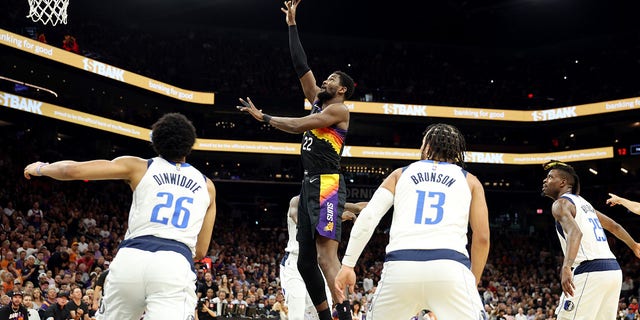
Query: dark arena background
point(525, 81)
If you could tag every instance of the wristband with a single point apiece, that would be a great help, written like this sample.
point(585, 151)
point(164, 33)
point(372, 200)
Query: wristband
point(40, 167)
point(266, 118)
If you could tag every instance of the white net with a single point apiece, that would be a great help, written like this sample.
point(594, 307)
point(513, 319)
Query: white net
point(48, 11)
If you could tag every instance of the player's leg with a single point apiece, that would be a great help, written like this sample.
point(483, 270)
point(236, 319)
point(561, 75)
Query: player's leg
point(447, 287)
point(332, 197)
point(591, 290)
point(170, 289)
point(327, 292)
point(308, 208)
point(395, 298)
point(329, 262)
point(609, 289)
point(295, 292)
point(450, 290)
point(124, 287)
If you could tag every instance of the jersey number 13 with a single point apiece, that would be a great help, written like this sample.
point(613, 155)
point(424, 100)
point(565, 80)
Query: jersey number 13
point(434, 200)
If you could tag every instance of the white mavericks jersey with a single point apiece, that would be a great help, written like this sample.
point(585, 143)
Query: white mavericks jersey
point(170, 202)
point(594, 243)
point(292, 244)
point(431, 208)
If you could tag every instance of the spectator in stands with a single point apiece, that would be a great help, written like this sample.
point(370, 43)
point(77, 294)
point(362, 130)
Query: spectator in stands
point(76, 306)
point(41, 37)
point(69, 43)
point(224, 284)
point(356, 311)
point(219, 303)
point(34, 211)
point(5, 300)
point(627, 287)
point(206, 284)
point(632, 309)
point(14, 309)
point(58, 310)
point(9, 210)
point(88, 259)
point(7, 258)
point(59, 261)
point(37, 298)
point(30, 269)
point(32, 308)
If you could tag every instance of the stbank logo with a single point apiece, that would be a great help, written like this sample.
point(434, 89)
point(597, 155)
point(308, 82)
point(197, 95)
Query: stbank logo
point(484, 157)
point(20, 103)
point(405, 109)
point(554, 114)
point(103, 69)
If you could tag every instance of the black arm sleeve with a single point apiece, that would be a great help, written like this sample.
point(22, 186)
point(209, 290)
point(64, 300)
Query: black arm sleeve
point(298, 56)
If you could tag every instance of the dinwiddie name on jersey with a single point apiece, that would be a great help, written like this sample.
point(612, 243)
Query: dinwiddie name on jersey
point(433, 177)
point(178, 180)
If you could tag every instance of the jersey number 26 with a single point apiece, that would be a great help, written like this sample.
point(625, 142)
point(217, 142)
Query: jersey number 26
point(180, 215)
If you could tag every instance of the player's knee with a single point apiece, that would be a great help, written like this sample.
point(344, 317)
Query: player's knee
point(327, 259)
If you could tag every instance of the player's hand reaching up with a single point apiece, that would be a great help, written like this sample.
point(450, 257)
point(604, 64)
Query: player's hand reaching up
point(250, 108)
point(345, 279)
point(290, 11)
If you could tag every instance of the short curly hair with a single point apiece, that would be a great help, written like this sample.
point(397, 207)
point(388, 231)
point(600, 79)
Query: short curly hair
point(173, 136)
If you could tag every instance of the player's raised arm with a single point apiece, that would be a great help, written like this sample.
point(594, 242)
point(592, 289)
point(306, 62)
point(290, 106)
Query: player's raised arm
point(361, 232)
point(333, 114)
point(125, 168)
point(298, 56)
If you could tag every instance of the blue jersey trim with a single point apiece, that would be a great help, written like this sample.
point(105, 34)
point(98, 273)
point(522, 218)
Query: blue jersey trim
point(597, 265)
point(153, 244)
point(428, 255)
point(560, 230)
point(568, 198)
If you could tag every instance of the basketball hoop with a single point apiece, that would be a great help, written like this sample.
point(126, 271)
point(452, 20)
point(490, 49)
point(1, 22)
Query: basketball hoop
point(46, 11)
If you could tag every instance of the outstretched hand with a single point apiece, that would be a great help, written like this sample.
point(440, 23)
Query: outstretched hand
point(290, 11)
point(33, 168)
point(613, 200)
point(250, 108)
point(345, 280)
